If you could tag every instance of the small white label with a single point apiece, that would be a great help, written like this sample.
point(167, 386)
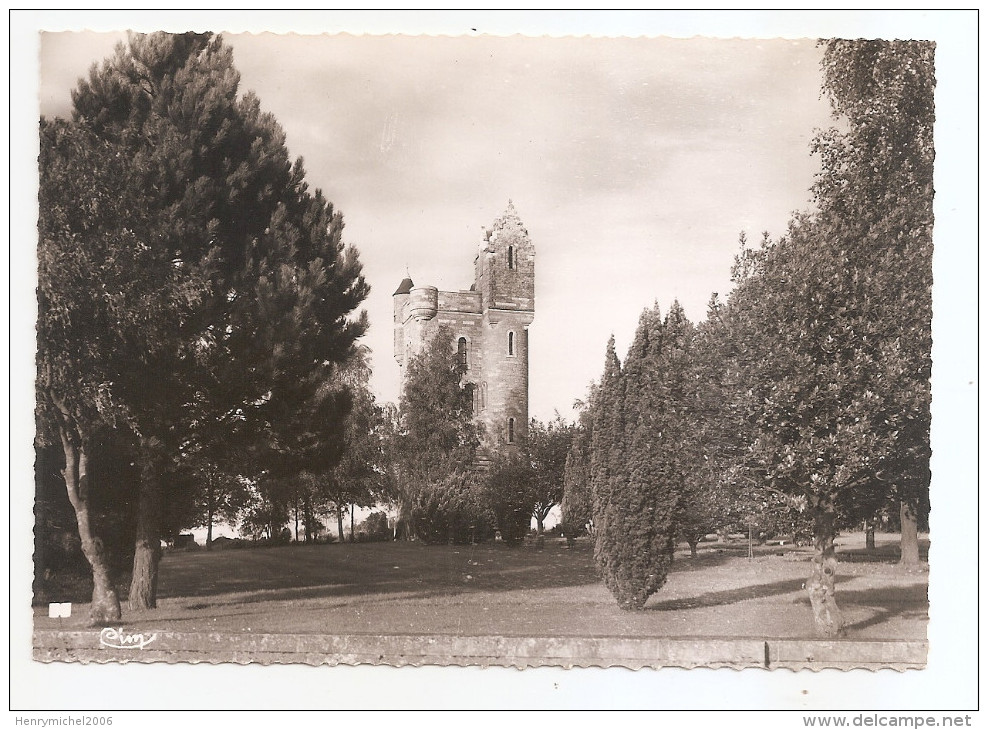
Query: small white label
point(59, 610)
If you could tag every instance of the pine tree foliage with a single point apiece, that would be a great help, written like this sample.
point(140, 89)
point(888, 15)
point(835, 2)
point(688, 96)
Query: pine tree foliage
point(249, 293)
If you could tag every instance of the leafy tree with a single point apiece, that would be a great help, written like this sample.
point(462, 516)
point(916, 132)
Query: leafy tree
point(221, 496)
point(438, 442)
point(838, 390)
point(267, 509)
point(394, 490)
point(261, 287)
point(375, 527)
point(548, 445)
point(876, 189)
point(576, 507)
point(449, 509)
point(807, 390)
point(508, 491)
point(356, 480)
point(714, 493)
point(109, 300)
point(210, 476)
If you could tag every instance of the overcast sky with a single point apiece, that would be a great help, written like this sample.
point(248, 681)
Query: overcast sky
point(634, 164)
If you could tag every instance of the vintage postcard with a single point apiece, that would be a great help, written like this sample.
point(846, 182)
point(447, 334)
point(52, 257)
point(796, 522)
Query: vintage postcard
point(505, 340)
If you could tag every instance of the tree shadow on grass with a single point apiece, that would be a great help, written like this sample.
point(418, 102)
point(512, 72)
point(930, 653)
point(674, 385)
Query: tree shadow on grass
point(414, 570)
point(735, 595)
point(301, 594)
point(882, 554)
point(706, 559)
point(910, 602)
point(346, 571)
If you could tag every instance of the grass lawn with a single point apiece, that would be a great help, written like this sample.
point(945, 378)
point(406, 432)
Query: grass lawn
point(410, 588)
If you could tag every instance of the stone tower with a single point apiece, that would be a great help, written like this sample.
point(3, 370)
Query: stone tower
point(489, 324)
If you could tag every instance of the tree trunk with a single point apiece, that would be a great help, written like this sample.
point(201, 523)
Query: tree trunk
point(308, 519)
point(909, 541)
point(353, 538)
point(296, 518)
point(869, 535)
point(539, 524)
point(339, 522)
point(147, 552)
point(826, 614)
point(105, 607)
point(692, 544)
point(210, 509)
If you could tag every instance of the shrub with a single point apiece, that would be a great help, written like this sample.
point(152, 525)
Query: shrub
point(448, 511)
point(576, 507)
point(508, 494)
point(374, 528)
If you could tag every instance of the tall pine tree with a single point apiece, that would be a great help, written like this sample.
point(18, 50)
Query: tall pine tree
point(254, 349)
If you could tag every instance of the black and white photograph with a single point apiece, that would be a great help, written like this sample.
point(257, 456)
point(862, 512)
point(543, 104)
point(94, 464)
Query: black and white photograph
point(377, 349)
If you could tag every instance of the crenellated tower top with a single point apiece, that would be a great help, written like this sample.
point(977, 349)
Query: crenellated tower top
point(505, 264)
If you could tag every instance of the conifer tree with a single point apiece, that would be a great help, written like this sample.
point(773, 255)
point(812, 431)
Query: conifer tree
point(626, 550)
point(642, 453)
point(606, 468)
point(267, 287)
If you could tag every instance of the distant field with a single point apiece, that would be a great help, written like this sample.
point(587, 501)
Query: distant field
point(488, 589)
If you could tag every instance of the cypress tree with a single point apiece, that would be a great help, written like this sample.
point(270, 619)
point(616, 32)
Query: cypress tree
point(638, 457)
point(605, 449)
point(686, 502)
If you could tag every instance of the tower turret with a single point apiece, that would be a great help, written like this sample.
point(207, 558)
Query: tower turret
point(423, 302)
point(400, 298)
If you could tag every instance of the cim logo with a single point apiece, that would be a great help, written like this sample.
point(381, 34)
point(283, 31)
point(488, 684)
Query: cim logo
point(119, 639)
